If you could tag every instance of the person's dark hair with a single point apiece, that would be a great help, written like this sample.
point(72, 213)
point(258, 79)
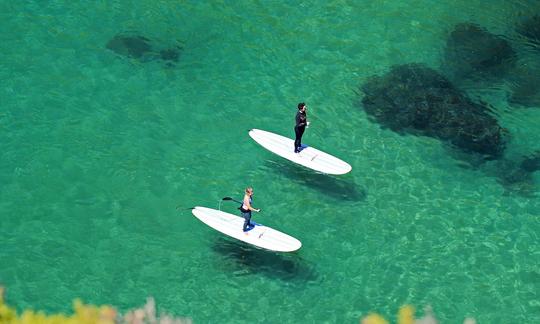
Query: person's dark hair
point(301, 105)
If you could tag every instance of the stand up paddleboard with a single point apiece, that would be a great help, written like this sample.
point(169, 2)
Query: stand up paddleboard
point(259, 235)
point(308, 156)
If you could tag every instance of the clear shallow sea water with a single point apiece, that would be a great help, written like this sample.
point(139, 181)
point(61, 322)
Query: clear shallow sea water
point(101, 156)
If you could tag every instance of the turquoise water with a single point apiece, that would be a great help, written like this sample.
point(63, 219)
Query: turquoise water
point(101, 156)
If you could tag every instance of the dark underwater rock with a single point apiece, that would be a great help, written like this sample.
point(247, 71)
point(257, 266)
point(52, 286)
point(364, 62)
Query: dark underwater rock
point(530, 29)
point(471, 51)
point(142, 48)
point(518, 177)
point(524, 85)
point(170, 54)
point(413, 98)
point(531, 163)
point(130, 46)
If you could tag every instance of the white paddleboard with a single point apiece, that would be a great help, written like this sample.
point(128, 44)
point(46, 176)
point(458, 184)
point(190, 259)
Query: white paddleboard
point(308, 156)
point(260, 235)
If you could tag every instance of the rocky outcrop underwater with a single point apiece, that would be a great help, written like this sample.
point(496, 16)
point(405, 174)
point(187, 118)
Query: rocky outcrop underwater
point(473, 52)
point(416, 99)
point(143, 49)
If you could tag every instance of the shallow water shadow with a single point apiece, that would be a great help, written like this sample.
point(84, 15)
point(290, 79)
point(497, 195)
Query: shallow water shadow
point(338, 188)
point(133, 45)
point(246, 259)
point(514, 174)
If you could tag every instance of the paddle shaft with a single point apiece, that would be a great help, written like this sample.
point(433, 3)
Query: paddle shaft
point(240, 202)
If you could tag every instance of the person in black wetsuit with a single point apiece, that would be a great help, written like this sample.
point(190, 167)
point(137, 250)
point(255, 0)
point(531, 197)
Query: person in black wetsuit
point(301, 123)
point(246, 209)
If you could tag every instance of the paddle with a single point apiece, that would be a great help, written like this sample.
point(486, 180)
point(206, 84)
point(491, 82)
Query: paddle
point(229, 198)
point(219, 206)
point(179, 206)
point(224, 198)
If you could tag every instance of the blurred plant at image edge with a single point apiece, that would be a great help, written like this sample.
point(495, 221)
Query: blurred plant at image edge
point(88, 314)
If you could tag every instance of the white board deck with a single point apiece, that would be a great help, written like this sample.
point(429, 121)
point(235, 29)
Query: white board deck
point(308, 157)
point(260, 235)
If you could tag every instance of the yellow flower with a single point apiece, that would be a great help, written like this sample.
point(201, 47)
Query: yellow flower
point(374, 319)
point(7, 315)
point(406, 315)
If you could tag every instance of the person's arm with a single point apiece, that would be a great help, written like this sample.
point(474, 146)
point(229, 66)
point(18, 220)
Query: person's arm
point(300, 120)
point(248, 205)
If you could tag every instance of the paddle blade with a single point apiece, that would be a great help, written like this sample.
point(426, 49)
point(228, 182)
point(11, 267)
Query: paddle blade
point(227, 198)
point(179, 206)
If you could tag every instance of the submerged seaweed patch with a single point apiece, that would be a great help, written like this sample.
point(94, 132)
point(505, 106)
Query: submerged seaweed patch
point(472, 51)
point(413, 98)
point(530, 28)
point(143, 49)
